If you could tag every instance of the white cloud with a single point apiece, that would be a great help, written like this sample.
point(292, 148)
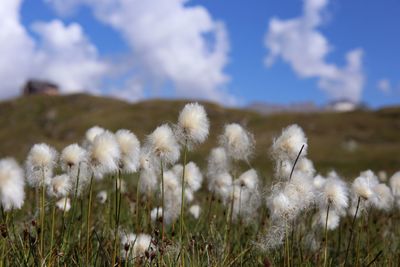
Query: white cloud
point(171, 42)
point(384, 86)
point(61, 53)
point(298, 42)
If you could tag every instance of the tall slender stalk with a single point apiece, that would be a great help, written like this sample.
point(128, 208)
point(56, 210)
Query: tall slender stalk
point(183, 204)
point(42, 212)
point(162, 199)
point(88, 220)
point(138, 206)
point(326, 235)
point(53, 225)
point(352, 230)
point(117, 214)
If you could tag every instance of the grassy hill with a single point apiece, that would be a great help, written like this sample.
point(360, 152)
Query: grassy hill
point(347, 142)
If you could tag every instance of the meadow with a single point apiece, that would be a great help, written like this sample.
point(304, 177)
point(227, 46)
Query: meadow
point(163, 183)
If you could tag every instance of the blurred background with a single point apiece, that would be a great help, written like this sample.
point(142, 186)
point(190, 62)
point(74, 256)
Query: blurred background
point(332, 66)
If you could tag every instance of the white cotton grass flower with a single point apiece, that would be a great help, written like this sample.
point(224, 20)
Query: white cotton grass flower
point(363, 185)
point(64, 204)
point(172, 197)
point(134, 246)
point(248, 179)
point(217, 162)
point(104, 154)
point(74, 161)
point(238, 142)
point(156, 214)
point(395, 184)
point(12, 194)
point(163, 144)
point(193, 175)
point(334, 193)
point(288, 145)
point(319, 182)
point(281, 206)
point(59, 186)
point(333, 219)
point(195, 210)
point(193, 124)
point(382, 175)
point(41, 160)
point(91, 134)
point(245, 203)
point(221, 185)
point(384, 199)
point(130, 150)
point(102, 196)
point(301, 190)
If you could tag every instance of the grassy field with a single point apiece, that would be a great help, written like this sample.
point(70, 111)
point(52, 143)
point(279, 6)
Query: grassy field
point(90, 233)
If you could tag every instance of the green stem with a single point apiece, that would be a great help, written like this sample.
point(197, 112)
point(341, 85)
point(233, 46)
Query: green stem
point(183, 204)
point(117, 213)
point(326, 235)
point(138, 205)
point(42, 209)
point(351, 231)
point(162, 200)
point(53, 219)
point(88, 220)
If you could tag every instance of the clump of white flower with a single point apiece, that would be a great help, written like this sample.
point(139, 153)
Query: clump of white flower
point(102, 197)
point(130, 150)
point(362, 192)
point(333, 219)
point(163, 144)
point(195, 210)
point(74, 160)
point(333, 193)
point(64, 204)
point(221, 185)
point(91, 134)
point(395, 186)
point(218, 162)
point(193, 175)
point(104, 154)
point(148, 181)
point(288, 145)
point(238, 142)
point(40, 163)
point(172, 197)
point(384, 199)
point(193, 125)
point(156, 214)
point(60, 186)
point(134, 246)
point(12, 183)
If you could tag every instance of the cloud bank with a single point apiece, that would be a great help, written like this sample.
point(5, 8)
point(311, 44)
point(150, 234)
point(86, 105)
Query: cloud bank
point(61, 53)
point(298, 42)
point(170, 42)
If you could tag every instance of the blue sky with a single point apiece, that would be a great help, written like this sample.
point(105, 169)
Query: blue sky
point(238, 75)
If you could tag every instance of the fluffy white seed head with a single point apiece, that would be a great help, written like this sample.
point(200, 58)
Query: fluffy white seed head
point(92, 133)
point(363, 185)
point(384, 199)
point(333, 219)
point(12, 183)
point(102, 196)
point(156, 214)
point(41, 160)
point(148, 181)
point(221, 185)
point(74, 160)
point(193, 175)
point(72, 156)
point(238, 143)
point(163, 144)
point(193, 124)
point(395, 184)
point(334, 193)
point(104, 154)
point(195, 210)
point(64, 204)
point(281, 206)
point(382, 175)
point(59, 186)
point(288, 145)
point(218, 161)
point(130, 150)
point(319, 182)
point(136, 245)
point(248, 179)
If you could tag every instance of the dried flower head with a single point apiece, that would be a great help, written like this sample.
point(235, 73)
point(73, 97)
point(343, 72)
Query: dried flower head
point(288, 145)
point(163, 144)
point(59, 186)
point(64, 204)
